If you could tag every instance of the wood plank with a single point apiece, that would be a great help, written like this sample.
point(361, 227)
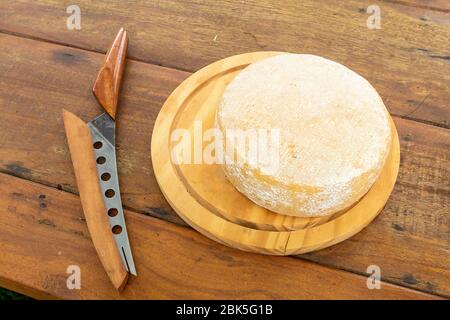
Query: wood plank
point(407, 60)
point(409, 240)
point(43, 232)
point(436, 12)
point(431, 11)
point(435, 5)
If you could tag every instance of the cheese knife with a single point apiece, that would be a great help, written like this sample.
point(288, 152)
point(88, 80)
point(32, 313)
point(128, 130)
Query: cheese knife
point(92, 148)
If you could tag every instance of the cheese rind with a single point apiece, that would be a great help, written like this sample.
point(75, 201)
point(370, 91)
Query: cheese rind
point(334, 134)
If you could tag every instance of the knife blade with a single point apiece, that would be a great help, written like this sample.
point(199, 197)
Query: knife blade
point(102, 131)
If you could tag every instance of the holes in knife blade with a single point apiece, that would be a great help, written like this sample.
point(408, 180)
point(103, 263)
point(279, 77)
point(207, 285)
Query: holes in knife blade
point(105, 176)
point(109, 193)
point(113, 212)
point(101, 160)
point(116, 229)
point(98, 144)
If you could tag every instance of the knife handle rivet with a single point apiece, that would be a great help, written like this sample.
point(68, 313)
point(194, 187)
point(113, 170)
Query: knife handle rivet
point(101, 160)
point(105, 176)
point(110, 193)
point(113, 212)
point(98, 144)
point(117, 229)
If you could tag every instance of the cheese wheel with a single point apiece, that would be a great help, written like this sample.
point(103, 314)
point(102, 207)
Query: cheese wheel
point(333, 133)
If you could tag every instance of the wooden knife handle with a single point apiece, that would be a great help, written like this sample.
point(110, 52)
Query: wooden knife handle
point(107, 84)
point(83, 159)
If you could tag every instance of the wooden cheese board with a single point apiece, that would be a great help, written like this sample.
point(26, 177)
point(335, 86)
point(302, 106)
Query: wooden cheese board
point(203, 197)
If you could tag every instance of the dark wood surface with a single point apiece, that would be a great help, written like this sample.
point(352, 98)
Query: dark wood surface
point(172, 261)
point(44, 67)
point(409, 54)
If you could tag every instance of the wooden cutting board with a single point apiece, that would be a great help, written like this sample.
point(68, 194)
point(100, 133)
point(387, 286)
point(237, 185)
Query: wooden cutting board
point(204, 198)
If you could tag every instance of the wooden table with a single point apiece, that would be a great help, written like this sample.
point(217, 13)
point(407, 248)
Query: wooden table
point(45, 67)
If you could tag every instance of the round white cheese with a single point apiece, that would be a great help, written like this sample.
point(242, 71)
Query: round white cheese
point(331, 134)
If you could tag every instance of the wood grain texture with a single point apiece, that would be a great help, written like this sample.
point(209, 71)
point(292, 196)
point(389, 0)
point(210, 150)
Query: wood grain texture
point(407, 60)
point(435, 5)
point(83, 159)
point(409, 240)
point(107, 85)
point(436, 12)
point(43, 232)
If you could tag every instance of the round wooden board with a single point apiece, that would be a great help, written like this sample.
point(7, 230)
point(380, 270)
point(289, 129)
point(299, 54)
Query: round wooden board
point(205, 199)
